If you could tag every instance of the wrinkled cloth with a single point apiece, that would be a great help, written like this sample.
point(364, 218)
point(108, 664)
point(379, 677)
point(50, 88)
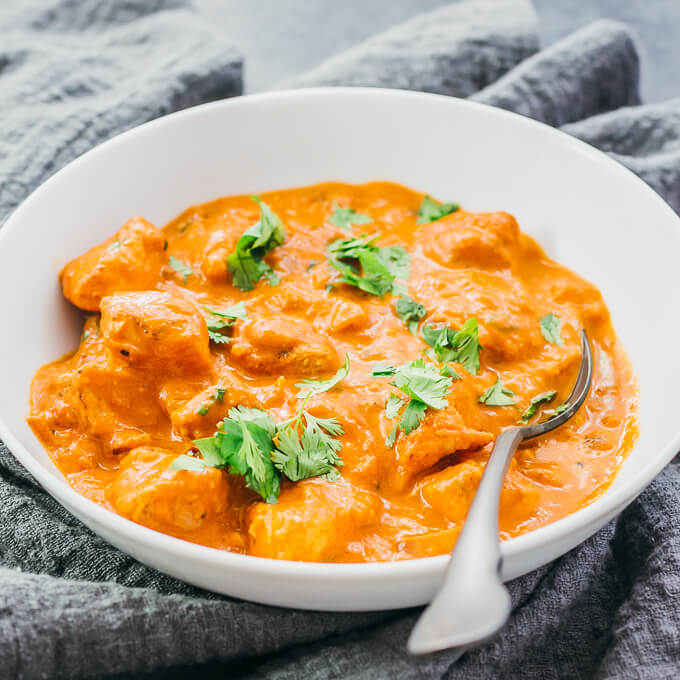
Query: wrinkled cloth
point(75, 72)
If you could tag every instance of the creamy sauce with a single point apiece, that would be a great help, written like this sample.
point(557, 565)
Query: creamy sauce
point(115, 413)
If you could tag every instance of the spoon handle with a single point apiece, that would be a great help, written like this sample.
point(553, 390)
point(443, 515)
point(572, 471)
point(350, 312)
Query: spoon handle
point(472, 603)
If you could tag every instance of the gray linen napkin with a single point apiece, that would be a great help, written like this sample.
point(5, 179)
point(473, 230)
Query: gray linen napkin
point(74, 72)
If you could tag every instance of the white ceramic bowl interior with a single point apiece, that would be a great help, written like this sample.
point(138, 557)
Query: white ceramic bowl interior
point(587, 211)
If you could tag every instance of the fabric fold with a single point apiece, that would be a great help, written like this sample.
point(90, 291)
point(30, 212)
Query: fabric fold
point(73, 74)
point(646, 139)
point(593, 70)
point(455, 49)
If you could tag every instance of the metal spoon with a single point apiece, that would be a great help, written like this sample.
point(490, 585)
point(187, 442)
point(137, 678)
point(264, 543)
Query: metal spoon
point(472, 603)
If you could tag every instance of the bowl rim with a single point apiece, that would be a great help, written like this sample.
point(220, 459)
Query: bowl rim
point(609, 503)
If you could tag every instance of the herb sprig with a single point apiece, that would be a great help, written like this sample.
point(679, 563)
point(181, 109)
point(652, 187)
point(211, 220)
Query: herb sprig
point(246, 263)
point(410, 312)
point(424, 387)
point(535, 403)
point(346, 217)
point(370, 268)
point(222, 320)
point(461, 346)
point(550, 328)
point(498, 395)
point(249, 443)
point(431, 211)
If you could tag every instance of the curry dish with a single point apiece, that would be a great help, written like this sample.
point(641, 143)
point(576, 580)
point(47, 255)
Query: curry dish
point(319, 374)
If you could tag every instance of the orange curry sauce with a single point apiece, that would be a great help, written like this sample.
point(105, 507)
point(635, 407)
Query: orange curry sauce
point(115, 413)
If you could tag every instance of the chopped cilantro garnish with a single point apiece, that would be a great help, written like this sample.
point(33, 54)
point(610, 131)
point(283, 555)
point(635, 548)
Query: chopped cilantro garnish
point(430, 210)
point(424, 386)
point(244, 445)
point(536, 402)
point(551, 413)
point(237, 311)
point(203, 411)
point(383, 370)
point(366, 266)
point(250, 444)
point(306, 447)
point(450, 372)
point(346, 217)
point(246, 264)
point(221, 320)
point(498, 395)
point(182, 269)
point(115, 245)
point(550, 327)
point(410, 312)
point(393, 406)
point(461, 346)
point(309, 387)
point(185, 462)
point(219, 394)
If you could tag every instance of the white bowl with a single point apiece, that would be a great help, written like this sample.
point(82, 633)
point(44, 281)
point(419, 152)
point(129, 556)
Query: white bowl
point(588, 212)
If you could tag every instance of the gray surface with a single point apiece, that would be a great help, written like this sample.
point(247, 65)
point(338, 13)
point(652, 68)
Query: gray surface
point(281, 38)
point(73, 606)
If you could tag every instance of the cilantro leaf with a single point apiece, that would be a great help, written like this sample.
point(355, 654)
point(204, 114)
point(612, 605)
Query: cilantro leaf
point(244, 445)
point(424, 385)
point(393, 406)
point(450, 372)
point(550, 328)
point(310, 387)
point(211, 452)
point(256, 416)
point(422, 381)
point(461, 346)
point(551, 413)
point(410, 312)
point(382, 370)
point(237, 311)
point(225, 319)
point(397, 260)
point(312, 453)
point(346, 217)
point(185, 462)
point(246, 264)
point(182, 269)
point(498, 395)
point(366, 266)
point(245, 441)
point(535, 403)
point(430, 211)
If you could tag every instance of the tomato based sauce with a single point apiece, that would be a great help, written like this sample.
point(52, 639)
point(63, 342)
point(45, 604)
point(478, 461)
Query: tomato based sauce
point(142, 385)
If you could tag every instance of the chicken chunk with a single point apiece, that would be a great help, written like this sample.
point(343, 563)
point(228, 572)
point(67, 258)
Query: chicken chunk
point(463, 239)
point(508, 327)
point(199, 416)
point(130, 260)
point(440, 434)
point(147, 491)
point(312, 520)
point(450, 492)
point(283, 345)
point(156, 330)
point(115, 404)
